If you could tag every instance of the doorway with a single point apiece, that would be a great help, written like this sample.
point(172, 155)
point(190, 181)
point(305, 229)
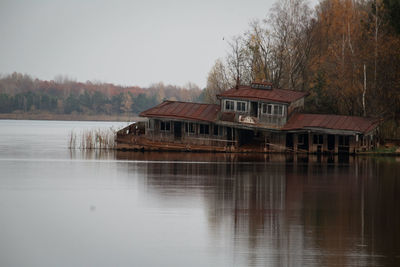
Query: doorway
point(344, 144)
point(177, 130)
point(302, 142)
point(254, 109)
point(230, 135)
point(289, 141)
point(245, 137)
point(331, 142)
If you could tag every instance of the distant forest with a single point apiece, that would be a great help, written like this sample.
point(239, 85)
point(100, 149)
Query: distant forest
point(20, 93)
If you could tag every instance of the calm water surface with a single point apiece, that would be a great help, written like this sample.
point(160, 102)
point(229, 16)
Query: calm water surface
point(72, 208)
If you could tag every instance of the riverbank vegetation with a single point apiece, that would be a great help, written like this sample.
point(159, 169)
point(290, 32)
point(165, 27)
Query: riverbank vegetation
point(92, 139)
point(345, 53)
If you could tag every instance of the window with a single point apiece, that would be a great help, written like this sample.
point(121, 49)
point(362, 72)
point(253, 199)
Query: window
point(217, 130)
point(267, 109)
point(165, 126)
point(318, 139)
point(240, 106)
point(301, 139)
point(190, 127)
point(278, 110)
point(270, 109)
point(204, 129)
point(229, 105)
point(344, 140)
point(151, 124)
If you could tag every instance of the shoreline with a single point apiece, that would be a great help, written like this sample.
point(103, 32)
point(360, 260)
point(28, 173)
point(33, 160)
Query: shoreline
point(69, 117)
point(244, 152)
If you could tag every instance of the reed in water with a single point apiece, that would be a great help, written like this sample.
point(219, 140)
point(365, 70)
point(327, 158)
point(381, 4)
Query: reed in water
point(92, 139)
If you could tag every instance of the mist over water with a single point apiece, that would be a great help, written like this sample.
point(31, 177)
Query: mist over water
point(62, 207)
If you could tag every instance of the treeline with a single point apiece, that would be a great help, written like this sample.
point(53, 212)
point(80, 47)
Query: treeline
point(22, 94)
point(345, 53)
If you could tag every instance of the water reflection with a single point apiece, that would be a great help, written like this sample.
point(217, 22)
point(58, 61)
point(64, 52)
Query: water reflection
point(65, 207)
point(91, 154)
point(287, 210)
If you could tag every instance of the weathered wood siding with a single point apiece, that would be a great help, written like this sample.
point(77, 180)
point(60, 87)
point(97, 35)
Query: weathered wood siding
point(187, 137)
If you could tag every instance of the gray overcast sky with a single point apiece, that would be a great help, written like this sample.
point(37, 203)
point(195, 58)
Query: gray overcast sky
point(120, 41)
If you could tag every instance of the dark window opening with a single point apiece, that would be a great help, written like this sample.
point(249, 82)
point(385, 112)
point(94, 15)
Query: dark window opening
point(302, 142)
point(229, 105)
point(300, 139)
point(331, 142)
point(289, 140)
point(229, 134)
point(217, 131)
point(177, 130)
point(344, 140)
point(241, 106)
point(267, 109)
point(344, 144)
point(254, 109)
point(246, 137)
point(318, 139)
point(278, 110)
point(204, 129)
point(165, 126)
point(190, 127)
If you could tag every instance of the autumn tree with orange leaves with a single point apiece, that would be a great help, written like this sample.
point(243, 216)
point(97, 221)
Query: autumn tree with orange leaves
point(345, 53)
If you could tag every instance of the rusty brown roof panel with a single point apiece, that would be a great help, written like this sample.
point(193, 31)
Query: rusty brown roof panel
point(275, 95)
point(228, 116)
point(334, 122)
point(186, 109)
point(183, 110)
point(348, 123)
point(199, 111)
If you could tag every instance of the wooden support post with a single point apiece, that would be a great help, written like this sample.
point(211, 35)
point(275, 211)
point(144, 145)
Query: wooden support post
point(325, 144)
point(352, 144)
point(369, 142)
point(295, 141)
point(236, 137)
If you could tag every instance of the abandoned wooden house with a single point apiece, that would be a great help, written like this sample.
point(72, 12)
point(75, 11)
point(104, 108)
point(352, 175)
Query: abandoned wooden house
point(256, 118)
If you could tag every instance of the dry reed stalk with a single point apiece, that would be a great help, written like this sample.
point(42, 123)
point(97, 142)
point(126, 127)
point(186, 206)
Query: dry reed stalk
point(72, 140)
point(93, 139)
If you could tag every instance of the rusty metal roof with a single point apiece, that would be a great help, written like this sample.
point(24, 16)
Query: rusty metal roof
point(334, 122)
point(228, 116)
point(183, 110)
point(275, 95)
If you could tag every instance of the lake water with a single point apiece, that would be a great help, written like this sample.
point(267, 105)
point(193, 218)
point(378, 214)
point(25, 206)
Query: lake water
point(61, 207)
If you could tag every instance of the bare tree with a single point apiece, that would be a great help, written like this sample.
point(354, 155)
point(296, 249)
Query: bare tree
point(217, 82)
point(237, 61)
point(290, 22)
point(260, 52)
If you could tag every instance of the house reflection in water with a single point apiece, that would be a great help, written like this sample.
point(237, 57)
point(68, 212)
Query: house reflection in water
point(288, 210)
